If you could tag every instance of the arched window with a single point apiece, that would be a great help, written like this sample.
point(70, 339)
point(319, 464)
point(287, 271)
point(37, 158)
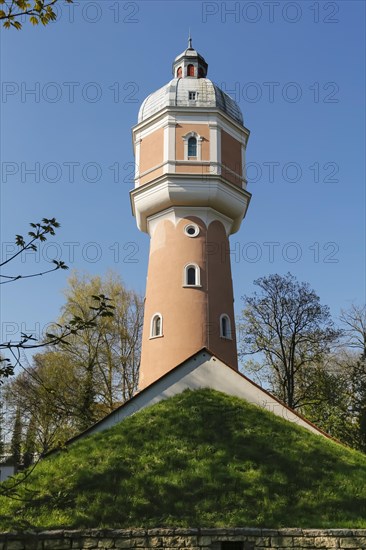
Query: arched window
point(156, 326)
point(192, 147)
point(201, 74)
point(190, 70)
point(225, 327)
point(191, 275)
point(179, 72)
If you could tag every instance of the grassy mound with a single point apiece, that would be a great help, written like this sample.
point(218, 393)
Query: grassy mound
point(201, 458)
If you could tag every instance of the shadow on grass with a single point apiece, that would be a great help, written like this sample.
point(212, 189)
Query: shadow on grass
point(202, 458)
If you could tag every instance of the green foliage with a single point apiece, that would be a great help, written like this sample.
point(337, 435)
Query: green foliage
point(99, 308)
point(328, 402)
point(201, 458)
point(285, 324)
point(86, 373)
point(37, 11)
point(105, 356)
point(30, 443)
point(6, 368)
point(41, 232)
point(359, 400)
point(2, 447)
point(327, 386)
point(16, 440)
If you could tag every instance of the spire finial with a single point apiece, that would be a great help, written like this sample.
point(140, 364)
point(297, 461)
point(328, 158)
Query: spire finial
point(190, 40)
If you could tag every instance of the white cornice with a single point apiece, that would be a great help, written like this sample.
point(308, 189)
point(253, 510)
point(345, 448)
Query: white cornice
point(172, 190)
point(189, 112)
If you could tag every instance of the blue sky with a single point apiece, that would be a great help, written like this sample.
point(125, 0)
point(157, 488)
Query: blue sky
point(297, 71)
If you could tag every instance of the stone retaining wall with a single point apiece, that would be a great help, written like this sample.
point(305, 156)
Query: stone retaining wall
point(187, 539)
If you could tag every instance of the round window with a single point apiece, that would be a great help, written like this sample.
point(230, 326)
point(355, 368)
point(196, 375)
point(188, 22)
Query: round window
point(191, 230)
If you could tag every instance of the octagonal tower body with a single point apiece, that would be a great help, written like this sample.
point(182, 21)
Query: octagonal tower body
point(190, 195)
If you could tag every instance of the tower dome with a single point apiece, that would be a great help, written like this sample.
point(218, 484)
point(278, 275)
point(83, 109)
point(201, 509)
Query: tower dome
point(190, 88)
point(204, 93)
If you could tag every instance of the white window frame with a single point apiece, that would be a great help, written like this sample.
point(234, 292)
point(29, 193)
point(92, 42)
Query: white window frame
point(194, 93)
point(199, 141)
point(197, 273)
point(228, 325)
point(152, 324)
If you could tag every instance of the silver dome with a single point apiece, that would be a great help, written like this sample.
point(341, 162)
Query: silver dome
point(175, 94)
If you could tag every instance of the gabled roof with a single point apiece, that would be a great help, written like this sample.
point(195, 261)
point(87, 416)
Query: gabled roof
point(201, 370)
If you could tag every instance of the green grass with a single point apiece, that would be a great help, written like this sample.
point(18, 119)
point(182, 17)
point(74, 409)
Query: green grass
point(201, 458)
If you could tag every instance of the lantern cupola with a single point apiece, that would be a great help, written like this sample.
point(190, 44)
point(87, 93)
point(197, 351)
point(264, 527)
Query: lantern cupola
point(189, 64)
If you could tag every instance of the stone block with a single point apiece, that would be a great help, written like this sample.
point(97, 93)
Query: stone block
point(343, 533)
point(325, 542)
point(106, 543)
point(155, 542)
point(32, 544)
point(89, 542)
point(15, 545)
point(304, 542)
point(204, 540)
point(192, 531)
point(270, 533)
point(140, 542)
point(123, 543)
point(57, 544)
point(353, 542)
point(262, 541)
point(118, 533)
point(218, 533)
point(191, 541)
point(282, 542)
point(315, 532)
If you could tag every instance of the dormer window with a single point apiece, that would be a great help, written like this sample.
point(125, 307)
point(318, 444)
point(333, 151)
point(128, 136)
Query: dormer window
point(192, 96)
point(190, 70)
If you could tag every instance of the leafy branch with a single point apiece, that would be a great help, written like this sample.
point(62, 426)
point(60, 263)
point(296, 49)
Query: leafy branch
point(100, 308)
point(27, 341)
point(38, 11)
point(39, 232)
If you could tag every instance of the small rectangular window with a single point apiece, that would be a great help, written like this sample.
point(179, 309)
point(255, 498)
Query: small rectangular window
point(232, 546)
point(192, 95)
